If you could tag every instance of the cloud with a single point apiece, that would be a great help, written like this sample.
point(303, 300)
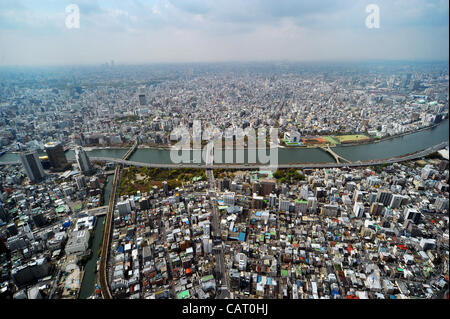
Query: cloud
point(219, 30)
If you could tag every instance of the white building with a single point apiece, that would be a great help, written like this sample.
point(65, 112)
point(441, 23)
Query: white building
point(292, 137)
point(78, 242)
point(242, 259)
point(358, 209)
point(229, 198)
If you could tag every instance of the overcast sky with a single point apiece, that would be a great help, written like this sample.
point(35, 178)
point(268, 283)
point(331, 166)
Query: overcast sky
point(34, 32)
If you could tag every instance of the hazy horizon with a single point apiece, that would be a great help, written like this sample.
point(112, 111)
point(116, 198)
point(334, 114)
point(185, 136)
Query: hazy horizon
point(34, 33)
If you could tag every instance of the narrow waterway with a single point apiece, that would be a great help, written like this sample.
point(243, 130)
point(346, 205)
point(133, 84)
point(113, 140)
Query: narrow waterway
point(90, 274)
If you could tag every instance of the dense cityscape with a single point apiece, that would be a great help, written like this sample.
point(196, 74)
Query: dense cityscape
point(82, 226)
point(224, 158)
point(112, 105)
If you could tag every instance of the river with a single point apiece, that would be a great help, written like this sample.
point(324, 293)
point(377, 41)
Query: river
point(389, 148)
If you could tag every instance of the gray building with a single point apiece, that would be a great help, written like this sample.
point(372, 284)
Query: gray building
point(83, 161)
point(32, 165)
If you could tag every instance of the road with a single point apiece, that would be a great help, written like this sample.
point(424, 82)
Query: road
point(103, 269)
point(222, 290)
point(104, 286)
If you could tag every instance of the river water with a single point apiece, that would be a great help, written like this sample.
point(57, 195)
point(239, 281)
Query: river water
point(381, 150)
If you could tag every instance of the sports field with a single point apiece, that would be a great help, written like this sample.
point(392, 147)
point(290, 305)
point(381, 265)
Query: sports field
point(313, 141)
point(351, 138)
point(331, 140)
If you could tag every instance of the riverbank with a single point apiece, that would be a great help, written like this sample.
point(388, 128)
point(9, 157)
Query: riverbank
point(169, 147)
point(362, 142)
point(383, 148)
point(386, 138)
point(371, 140)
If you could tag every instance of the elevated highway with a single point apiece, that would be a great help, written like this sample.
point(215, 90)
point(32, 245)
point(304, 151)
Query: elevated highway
point(104, 286)
point(103, 269)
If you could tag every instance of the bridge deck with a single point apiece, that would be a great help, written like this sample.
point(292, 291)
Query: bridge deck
point(336, 156)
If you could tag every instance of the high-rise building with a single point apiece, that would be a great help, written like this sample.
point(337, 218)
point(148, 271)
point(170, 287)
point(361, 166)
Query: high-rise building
point(304, 192)
point(257, 201)
point(358, 209)
point(256, 188)
point(4, 216)
point(301, 206)
point(376, 208)
point(372, 197)
point(427, 172)
point(268, 186)
point(207, 245)
point(81, 182)
point(358, 195)
point(413, 214)
point(83, 161)
point(32, 165)
point(284, 204)
point(273, 200)
point(142, 100)
point(55, 152)
point(228, 199)
point(384, 197)
point(242, 260)
point(441, 203)
point(396, 201)
point(165, 187)
point(406, 79)
point(124, 207)
point(312, 203)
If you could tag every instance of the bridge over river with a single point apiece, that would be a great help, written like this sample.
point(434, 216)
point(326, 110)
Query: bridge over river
point(211, 165)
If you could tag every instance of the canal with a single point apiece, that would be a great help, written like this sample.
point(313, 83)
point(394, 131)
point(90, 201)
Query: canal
point(90, 274)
